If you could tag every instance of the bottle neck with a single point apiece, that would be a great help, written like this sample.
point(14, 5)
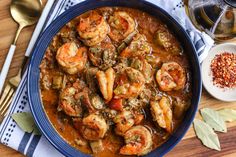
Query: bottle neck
point(231, 3)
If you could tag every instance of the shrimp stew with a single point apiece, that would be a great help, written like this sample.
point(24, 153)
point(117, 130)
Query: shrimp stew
point(115, 82)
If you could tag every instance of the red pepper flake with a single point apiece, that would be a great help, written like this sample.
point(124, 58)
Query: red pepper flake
point(223, 68)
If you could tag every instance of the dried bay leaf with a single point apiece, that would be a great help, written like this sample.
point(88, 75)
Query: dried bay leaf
point(213, 119)
point(36, 130)
point(26, 122)
point(206, 134)
point(229, 115)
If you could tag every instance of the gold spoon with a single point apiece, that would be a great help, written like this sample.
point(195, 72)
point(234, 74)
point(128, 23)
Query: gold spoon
point(25, 13)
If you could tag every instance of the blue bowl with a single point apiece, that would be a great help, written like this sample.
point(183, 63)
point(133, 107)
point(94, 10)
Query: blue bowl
point(33, 75)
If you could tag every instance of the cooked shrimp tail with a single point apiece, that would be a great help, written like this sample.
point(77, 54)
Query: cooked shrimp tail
point(71, 58)
point(138, 141)
point(171, 76)
point(92, 29)
point(94, 127)
point(106, 83)
point(162, 113)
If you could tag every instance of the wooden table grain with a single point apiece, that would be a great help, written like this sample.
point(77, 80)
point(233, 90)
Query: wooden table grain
point(189, 145)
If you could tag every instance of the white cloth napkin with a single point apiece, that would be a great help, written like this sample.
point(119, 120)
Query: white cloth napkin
point(38, 146)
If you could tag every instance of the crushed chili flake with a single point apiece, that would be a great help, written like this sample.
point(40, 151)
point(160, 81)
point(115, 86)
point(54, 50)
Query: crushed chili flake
point(223, 68)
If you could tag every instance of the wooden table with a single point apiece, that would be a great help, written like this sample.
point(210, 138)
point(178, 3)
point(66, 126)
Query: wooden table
point(189, 146)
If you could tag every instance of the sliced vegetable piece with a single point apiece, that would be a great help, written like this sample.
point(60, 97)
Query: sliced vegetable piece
point(165, 39)
point(97, 101)
point(57, 81)
point(96, 146)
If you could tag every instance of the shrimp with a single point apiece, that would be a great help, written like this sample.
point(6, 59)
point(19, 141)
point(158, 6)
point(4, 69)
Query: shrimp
point(171, 76)
point(71, 58)
point(74, 99)
point(124, 121)
point(137, 48)
point(68, 102)
point(130, 83)
point(138, 141)
point(94, 127)
point(106, 83)
point(121, 25)
point(103, 55)
point(93, 29)
point(162, 113)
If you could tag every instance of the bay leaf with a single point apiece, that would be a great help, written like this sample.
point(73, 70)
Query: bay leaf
point(36, 130)
point(229, 115)
point(212, 118)
point(206, 134)
point(26, 122)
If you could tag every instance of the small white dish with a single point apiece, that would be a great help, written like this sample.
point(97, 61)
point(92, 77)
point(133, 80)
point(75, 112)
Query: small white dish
point(222, 94)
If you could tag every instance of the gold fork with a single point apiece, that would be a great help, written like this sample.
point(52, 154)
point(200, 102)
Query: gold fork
point(8, 93)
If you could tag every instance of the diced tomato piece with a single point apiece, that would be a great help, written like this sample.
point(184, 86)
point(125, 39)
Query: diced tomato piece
point(122, 79)
point(116, 104)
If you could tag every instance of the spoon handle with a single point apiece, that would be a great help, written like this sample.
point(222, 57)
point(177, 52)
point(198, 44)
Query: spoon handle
point(6, 66)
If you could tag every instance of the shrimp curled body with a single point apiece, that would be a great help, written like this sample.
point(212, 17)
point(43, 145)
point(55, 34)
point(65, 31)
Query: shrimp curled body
point(130, 83)
point(69, 102)
point(162, 113)
point(124, 121)
point(94, 127)
point(171, 76)
point(93, 29)
point(71, 58)
point(121, 26)
point(106, 82)
point(138, 141)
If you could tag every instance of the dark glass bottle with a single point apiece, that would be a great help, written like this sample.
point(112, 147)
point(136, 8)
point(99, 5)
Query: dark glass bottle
point(215, 17)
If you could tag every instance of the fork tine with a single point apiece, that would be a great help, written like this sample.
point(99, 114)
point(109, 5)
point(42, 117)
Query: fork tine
point(4, 112)
point(4, 94)
point(5, 103)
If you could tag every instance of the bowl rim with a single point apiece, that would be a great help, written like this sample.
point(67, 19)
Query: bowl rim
point(36, 105)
